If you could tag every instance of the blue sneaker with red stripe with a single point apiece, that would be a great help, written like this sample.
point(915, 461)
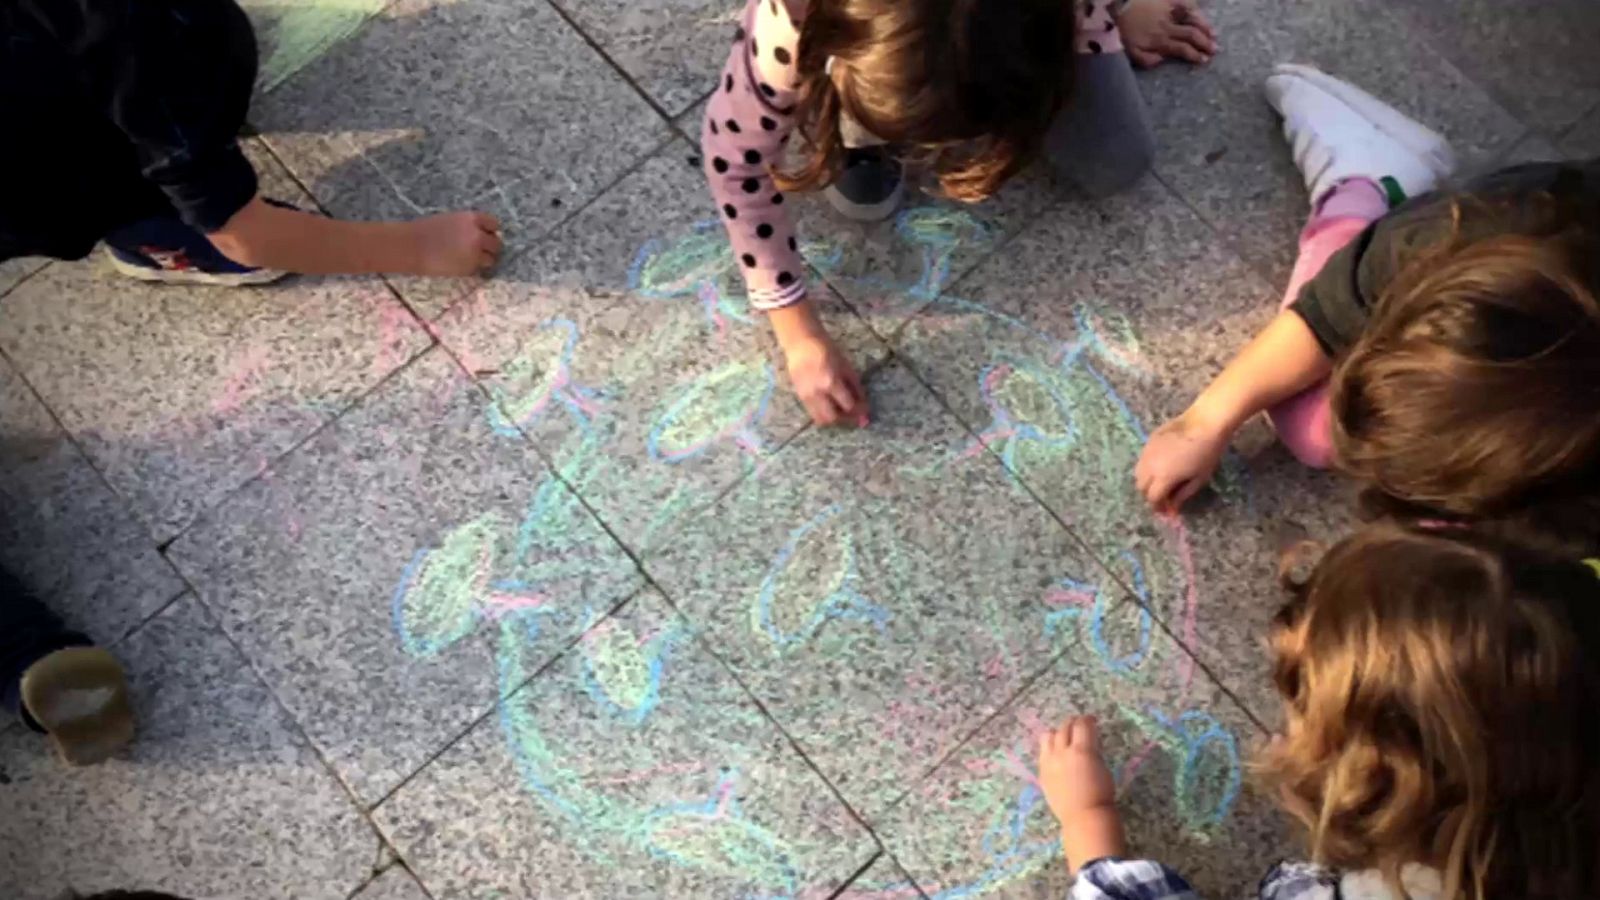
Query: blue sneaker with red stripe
point(166, 250)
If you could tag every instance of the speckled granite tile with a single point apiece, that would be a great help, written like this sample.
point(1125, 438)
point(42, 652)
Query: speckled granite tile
point(978, 826)
point(63, 533)
point(436, 105)
point(672, 51)
point(218, 796)
point(624, 346)
point(1583, 141)
point(180, 394)
point(1537, 58)
point(688, 121)
point(1533, 147)
point(1221, 146)
point(887, 270)
point(1146, 305)
point(394, 883)
point(883, 880)
point(372, 574)
point(292, 36)
point(634, 767)
point(882, 591)
point(14, 271)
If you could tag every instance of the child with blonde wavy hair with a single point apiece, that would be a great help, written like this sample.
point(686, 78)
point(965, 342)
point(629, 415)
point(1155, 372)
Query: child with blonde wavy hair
point(1440, 737)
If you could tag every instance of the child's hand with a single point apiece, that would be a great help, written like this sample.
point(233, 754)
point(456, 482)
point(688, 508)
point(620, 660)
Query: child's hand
point(456, 243)
point(1177, 461)
point(826, 381)
point(1154, 30)
point(1081, 793)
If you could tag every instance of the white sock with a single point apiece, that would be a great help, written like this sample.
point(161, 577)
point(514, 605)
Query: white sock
point(1332, 141)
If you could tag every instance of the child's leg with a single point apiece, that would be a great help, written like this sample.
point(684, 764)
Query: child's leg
point(1302, 421)
point(1102, 138)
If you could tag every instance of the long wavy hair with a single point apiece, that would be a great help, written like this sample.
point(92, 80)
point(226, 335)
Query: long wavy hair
point(1442, 699)
point(967, 88)
point(1475, 389)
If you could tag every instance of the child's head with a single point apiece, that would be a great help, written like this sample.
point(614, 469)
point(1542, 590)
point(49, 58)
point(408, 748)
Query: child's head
point(969, 86)
point(1475, 390)
point(1442, 698)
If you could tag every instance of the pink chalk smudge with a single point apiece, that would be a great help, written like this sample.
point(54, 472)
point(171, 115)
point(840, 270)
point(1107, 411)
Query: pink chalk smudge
point(1068, 597)
point(1019, 767)
point(243, 381)
point(498, 605)
point(689, 768)
point(1191, 599)
point(1131, 767)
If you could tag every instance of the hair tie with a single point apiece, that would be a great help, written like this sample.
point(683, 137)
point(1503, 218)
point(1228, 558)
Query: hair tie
point(827, 67)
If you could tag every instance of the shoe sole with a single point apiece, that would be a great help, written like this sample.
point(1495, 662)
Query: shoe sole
point(1436, 159)
point(79, 696)
point(1422, 141)
point(193, 276)
point(865, 212)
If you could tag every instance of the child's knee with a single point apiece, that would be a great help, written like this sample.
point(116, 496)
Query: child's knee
point(1311, 450)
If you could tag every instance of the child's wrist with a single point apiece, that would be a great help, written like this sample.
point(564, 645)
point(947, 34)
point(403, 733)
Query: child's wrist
point(796, 323)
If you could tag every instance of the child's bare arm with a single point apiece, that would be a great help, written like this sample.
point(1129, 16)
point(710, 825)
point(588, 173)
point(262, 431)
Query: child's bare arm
point(264, 235)
point(1281, 361)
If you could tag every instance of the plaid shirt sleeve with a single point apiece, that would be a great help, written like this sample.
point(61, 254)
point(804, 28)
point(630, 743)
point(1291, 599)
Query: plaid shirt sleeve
point(1110, 878)
point(1292, 880)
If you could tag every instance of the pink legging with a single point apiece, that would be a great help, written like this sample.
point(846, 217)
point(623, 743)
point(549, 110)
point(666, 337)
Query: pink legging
point(1302, 420)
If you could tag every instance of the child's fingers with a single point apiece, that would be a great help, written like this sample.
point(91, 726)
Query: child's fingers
point(1144, 59)
point(1194, 36)
point(1184, 492)
point(1085, 732)
point(1191, 15)
point(487, 222)
point(1180, 48)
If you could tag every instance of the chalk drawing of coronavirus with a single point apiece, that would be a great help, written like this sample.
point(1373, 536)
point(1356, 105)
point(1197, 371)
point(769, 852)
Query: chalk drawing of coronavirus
point(1050, 412)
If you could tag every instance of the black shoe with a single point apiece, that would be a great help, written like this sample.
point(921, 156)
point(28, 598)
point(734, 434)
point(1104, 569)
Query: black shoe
point(870, 186)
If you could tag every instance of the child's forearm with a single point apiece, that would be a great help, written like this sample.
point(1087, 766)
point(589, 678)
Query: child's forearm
point(795, 322)
point(1281, 361)
point(268, 236)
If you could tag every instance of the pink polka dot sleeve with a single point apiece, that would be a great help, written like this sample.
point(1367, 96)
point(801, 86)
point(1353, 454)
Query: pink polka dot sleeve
point(1097, 26)
point(747, 124)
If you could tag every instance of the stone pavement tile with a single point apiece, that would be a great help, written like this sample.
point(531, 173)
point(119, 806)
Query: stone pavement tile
point(63, 533)
point(1089, 330)
point(979, 826)
point(181, 393)
point(1533, 147)
point(394, 883)
point(292, 36)
point(624, 346)
point(372, 573)
point(14, 271)
point(887, 270)
point(672, 51)
point(881, 592)
point(883, 880)
point(634, 767)
point(1222, 148)
point(436, 105)
point(218, 796)
point(1537, 59)
point(1583, 141)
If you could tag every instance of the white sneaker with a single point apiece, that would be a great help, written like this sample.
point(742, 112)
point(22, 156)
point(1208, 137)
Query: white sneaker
point(1422, 140)
point(1333, 140)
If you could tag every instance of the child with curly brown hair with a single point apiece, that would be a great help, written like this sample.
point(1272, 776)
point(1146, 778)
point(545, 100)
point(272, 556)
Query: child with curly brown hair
point(1445, 351)
point(1440, 736)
